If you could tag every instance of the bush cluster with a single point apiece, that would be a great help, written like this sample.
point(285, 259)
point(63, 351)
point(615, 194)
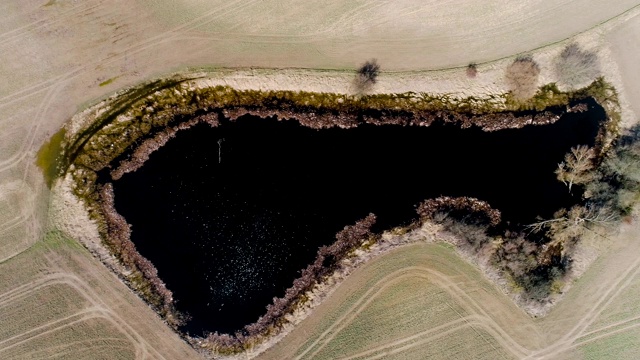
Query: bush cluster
point(577, 67)
point(522, 77)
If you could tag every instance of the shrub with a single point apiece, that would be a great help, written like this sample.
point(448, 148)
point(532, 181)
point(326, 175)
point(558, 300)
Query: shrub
point(472, 70)
point(576, 67)
point(522, 78)
point(367, 76)
point(616, 182)
point(517, 256)
point(473, 233)
point(537, 283)
point(471, 209)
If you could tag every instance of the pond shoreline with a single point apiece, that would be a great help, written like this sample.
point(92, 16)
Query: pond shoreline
point(152, 119)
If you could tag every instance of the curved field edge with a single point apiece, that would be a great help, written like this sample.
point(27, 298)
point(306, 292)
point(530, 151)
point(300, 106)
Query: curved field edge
point(97, 136)
point(329, 332)
point(579, 327)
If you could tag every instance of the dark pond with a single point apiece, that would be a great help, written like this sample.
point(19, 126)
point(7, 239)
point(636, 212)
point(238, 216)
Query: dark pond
point(230, 215)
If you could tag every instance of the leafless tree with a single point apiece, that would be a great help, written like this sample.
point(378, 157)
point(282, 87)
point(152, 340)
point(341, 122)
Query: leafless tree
point(577, 166)
point(577, 67)
point(367, 75)
point(472, 70)
point(567, 227)
point(522, 77)
point(571, 224)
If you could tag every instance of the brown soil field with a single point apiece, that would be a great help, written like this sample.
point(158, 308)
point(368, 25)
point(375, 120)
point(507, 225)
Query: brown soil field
point(60, 56)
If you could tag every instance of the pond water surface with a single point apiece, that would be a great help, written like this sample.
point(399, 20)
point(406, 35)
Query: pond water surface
point(230, 215)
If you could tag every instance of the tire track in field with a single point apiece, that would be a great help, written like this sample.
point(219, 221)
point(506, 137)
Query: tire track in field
point(55, 84)
point(84, 341)
point(51, 326)
point(25, 208)
point(85, 345)
point(485, 319)
point(448, 286)
point(145, 348)
point(85, 290)
point(81, 288)
point(15, 221)
point(601, 336)
point(464, 300)
point(344, 18)
point(43, 107)
point(603, 302)
point(162, 37)
point(32, 286)
point(417, 339)
point(21, 31)
point(68, 321)
point(608, 327)
point(266, 38)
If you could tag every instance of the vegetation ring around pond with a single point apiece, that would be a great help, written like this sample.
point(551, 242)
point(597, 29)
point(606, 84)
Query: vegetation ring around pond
point(128, 128)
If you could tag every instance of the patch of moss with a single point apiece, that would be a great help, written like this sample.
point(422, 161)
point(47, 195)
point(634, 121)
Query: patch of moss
point(108, 81)
point(49, 157)
point(56, 239)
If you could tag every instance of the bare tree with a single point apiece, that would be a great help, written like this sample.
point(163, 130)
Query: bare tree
point(577, 166)
point(577, 67)
point(367, 75)
point(472, 70)
point(567, 227)
point(571, 224)
point(522, 77)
